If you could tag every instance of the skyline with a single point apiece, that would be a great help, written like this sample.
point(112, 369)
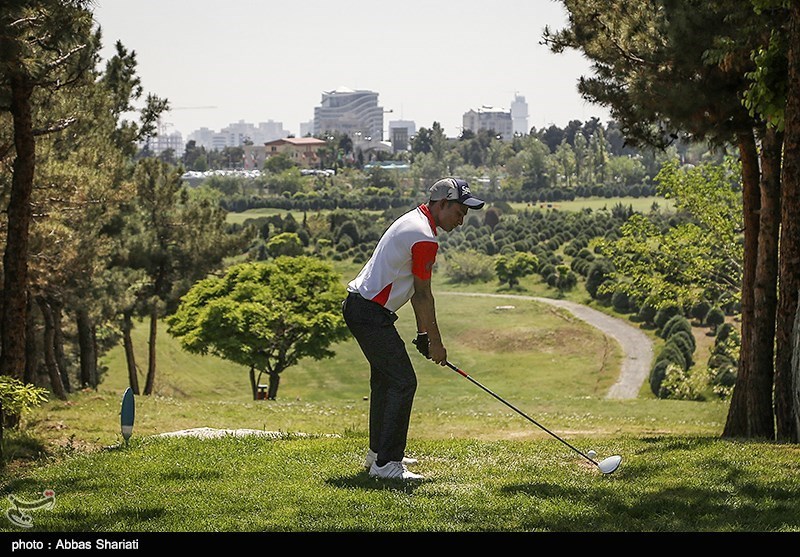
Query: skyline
point(428, 62)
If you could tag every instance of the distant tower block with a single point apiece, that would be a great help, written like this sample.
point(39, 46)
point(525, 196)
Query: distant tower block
point(519, 115)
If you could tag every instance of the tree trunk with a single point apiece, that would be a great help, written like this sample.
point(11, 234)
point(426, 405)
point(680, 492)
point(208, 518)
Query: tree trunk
point(274, 380)
point(86, 345)
point(253, 386)
point(787, 412)
point(31, 349)
point(760, 414)
point(19, 213)
point(736, 424)
point(58, 344)
point(149, 384)
point(795, 371)
point(56, 386)
point(127, 342)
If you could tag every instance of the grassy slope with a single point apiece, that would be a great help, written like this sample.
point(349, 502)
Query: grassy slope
point(487, 468)
point(540, 359)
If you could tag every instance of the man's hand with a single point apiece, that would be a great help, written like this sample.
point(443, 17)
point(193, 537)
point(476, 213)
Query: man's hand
point(437, 352)
point(423, 344)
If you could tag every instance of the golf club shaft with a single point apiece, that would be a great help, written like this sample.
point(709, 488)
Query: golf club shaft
point(517, 410)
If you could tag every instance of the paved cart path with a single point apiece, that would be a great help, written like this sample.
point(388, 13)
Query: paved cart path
point(637, 348)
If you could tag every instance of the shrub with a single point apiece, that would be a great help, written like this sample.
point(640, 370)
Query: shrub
point(17, 398)
point(599, 271)
point(580, 266)
point(714, 318)
point(606, 290)
point(665, 314)
point(725, 375)
point(567, 280)
point(286, 243)
point(682, 342)
point(657, 374)
point(717, 361)
point(688, 336)
point(491, 217)
point(647, 312)
point(726, 331)
point(676, 323)
point(348, 228)
point(700, 310)
point(546, 270)
point(512, 268)
point(469, 266)
point(620, 301)
point(680, 384)
point(672, 353)
point(344, 243)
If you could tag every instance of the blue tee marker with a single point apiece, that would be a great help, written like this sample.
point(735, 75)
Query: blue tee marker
point(127, 414)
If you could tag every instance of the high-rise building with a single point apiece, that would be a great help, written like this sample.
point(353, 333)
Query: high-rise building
point(400, 134)
point(163, 141)
point(355, 113)
point(519, 115)
point(306, 128)
point(489, 118)
point(238, 134)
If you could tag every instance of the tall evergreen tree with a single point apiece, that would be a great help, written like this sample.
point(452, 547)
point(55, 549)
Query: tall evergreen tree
point(176, 239)
point(46, 47)
point(669, 69)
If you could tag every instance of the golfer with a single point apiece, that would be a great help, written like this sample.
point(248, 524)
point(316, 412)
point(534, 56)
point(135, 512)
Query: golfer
point(398, 271)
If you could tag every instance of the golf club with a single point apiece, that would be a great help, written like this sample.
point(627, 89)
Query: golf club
point(606, 466)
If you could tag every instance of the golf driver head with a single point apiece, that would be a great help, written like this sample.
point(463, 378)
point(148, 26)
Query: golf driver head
point(610, 464)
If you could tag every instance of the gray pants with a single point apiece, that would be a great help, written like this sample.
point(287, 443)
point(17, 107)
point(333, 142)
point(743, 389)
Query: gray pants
point(392, 378)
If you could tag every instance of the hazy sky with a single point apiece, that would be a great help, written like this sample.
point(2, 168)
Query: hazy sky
point(429, 60)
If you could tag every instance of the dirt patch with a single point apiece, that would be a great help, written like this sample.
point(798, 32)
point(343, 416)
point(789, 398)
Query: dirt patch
point(522, 339)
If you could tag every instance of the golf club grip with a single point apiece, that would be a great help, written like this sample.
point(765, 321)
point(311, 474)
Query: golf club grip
point(456, 369)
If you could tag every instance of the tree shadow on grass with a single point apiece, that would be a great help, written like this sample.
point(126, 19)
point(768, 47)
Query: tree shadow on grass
point(119, 519)
point(363, 481)
point(630, 501)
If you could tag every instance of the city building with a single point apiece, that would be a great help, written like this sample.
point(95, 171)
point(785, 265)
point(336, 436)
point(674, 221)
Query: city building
point(306, 128)
point(163, 141)
point(400, 134)
point(489, 118)
point(238, 134)
point(355, 113)
point(519, 115)
point(301, 150)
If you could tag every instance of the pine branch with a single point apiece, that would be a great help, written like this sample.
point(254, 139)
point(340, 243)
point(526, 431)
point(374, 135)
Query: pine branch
point(55, 127)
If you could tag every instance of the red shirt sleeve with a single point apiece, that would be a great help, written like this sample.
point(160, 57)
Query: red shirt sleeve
point(423, 255)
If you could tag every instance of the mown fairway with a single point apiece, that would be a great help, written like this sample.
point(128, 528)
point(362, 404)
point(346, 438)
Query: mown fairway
point(487, 469)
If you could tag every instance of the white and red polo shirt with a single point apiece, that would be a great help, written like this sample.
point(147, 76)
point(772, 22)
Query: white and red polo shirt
point(407, 249)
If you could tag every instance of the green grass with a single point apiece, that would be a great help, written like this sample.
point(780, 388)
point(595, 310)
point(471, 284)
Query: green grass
point(487, 469)
point(297, 214)
point(640, 204)
point(315, 484)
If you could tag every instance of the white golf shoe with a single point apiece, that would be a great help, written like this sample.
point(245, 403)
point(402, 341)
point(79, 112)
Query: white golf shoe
point(372, 456)
point(393, 470)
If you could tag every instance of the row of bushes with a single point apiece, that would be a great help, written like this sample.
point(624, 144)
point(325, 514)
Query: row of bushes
point(670, 375)
point(678, 351)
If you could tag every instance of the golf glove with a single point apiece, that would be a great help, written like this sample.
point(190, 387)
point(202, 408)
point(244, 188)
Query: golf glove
point(422, 343)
